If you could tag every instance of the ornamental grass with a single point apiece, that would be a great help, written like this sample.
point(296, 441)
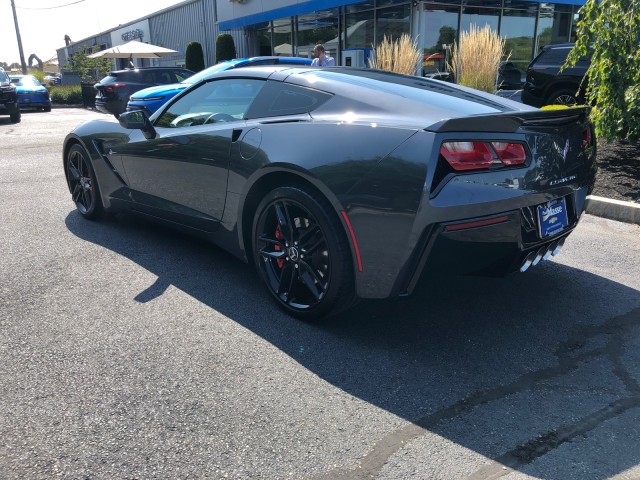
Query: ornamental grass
point(476, 59)
point(398, 56)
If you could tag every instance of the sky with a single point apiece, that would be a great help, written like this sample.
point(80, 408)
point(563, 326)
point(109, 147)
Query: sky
point(44, 23)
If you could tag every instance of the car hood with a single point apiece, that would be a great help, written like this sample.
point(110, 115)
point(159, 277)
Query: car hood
point(22, 89)
point(159, 91)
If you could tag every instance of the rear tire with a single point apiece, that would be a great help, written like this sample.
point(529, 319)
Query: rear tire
point(81, 179)
point(563, 97)
point(302, 254)
point(16, 117)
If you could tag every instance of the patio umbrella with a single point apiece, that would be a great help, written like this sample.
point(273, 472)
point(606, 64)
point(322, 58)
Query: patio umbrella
point(133, 49)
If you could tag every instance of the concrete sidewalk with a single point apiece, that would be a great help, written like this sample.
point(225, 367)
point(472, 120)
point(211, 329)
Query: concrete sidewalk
point(628, 212)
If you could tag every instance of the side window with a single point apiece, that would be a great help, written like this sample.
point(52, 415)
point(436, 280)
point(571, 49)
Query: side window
point(182, 74)
point(279, 98)
point(217, 101)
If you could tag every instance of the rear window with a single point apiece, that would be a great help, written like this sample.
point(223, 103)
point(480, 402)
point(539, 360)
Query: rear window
point(553, 56)
point(556, 57)
point(278, 98)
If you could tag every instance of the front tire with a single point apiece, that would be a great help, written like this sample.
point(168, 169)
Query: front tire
point(81, 179)
point(16, 117)
point(302, 254)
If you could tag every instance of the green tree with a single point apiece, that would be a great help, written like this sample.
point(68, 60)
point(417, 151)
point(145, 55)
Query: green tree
point(194, 57)
point(609, 31)
point(225, 47)
point(88, 69)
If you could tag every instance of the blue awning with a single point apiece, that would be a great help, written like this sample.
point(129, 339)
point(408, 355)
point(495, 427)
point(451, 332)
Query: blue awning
point(289, 11)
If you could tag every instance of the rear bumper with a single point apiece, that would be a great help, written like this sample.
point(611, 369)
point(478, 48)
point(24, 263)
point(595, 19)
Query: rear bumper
point(491, 245)
point(113, 107)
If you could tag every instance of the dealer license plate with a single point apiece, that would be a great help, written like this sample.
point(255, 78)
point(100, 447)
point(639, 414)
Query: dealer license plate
point(552, 217)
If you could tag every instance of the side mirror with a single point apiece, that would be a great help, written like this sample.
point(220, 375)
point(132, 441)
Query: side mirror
point(137, 120)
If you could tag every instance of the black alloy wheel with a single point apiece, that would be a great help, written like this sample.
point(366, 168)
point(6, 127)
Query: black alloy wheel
point(302, 254)
point(82, 183)
point(564, 97)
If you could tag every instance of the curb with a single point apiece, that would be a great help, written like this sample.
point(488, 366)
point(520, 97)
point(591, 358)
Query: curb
point(627, 212)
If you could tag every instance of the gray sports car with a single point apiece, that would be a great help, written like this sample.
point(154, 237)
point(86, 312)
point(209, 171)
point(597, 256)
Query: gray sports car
point(340, 184)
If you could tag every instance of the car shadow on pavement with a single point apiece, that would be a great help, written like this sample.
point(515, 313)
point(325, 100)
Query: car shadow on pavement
point(529, 371)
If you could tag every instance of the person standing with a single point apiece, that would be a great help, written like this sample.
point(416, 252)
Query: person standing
point(322, 59)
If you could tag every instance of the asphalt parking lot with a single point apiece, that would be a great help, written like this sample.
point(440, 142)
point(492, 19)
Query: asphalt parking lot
point(131, 351)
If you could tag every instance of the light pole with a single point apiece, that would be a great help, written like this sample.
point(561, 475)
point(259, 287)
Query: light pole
point(15, 21)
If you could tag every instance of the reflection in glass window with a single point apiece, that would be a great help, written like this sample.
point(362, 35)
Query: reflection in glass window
point(479, 17)
point(282, 38)
point(392, 22)
point(360, 30)
point(318, 27)
point(217, 101)
point(439, 31)
point(517, 28)
point(554, 25)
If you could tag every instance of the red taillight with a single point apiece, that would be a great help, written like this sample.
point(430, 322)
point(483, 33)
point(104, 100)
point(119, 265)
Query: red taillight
point(510, 153)
point(479, 155)
point(587, 138)
point(467, 155)
point(113, 86)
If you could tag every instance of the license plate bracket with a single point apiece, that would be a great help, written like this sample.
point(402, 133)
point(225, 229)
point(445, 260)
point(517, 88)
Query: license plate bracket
point(552, 217)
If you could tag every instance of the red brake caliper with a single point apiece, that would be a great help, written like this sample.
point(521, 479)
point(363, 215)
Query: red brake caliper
point(277, 248)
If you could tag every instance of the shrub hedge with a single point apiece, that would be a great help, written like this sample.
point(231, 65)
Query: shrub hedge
point(66, 95)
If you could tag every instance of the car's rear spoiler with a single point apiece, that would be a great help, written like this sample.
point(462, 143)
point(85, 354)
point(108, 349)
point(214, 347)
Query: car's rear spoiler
point(510, 122)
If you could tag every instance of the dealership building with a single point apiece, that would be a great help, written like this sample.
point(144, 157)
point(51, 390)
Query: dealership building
point(347, 28)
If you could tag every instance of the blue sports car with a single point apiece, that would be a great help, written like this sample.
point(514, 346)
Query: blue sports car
point(31, 93)
point(152, 98)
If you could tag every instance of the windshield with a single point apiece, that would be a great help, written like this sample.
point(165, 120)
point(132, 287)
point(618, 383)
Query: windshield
point(218, 67)
point(25, 81)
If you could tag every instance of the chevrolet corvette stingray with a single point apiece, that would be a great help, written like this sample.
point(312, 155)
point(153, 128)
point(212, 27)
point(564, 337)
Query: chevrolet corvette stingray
point(340, 184)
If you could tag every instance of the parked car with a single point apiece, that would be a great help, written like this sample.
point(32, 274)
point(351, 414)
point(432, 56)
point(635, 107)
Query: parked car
point(114, 90)
point(545, 84)
point(31, 93)
point(509, 76)
point(53, 79)
point(8, 98)
point(343, 183)
point(152, 98)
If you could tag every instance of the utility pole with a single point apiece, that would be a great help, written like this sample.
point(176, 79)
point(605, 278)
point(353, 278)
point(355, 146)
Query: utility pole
point(15, 21)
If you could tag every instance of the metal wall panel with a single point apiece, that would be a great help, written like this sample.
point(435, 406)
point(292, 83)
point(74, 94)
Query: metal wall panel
point(174, 28)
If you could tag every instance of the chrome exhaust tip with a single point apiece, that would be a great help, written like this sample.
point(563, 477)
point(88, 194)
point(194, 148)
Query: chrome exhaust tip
point(539, 255)
point(527, 262)
point(558, 247)
point(550, 249)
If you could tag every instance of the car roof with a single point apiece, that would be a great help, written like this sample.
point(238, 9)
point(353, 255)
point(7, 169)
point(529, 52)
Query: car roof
point(558, 45)
point(376, 90)
point(146, 68)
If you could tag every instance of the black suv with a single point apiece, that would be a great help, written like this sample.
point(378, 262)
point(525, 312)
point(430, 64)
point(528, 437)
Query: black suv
point(8, 97)
point(547, 85)
point(115, 89)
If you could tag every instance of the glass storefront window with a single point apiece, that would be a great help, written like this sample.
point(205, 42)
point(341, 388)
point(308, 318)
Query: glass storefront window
point(359, 30)
point(282, 38)
point(439, 30)
point(392, 22)
point(518, 28)
point(479, 17)
point(359, 7)
point(315, 28)
point(554, 25)
point(263, 38)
